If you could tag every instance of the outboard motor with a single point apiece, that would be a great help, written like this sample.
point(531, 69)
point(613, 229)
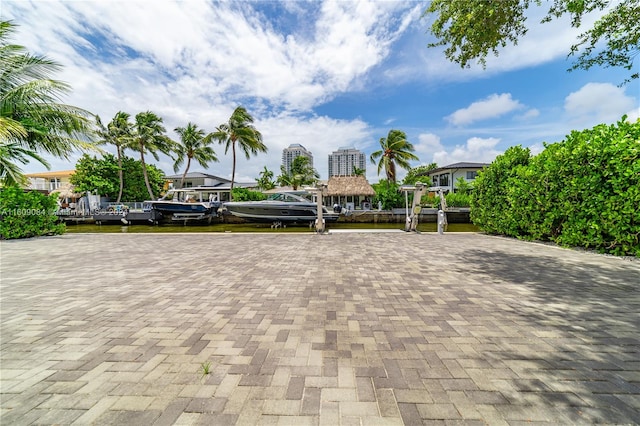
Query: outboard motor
point(337, 208)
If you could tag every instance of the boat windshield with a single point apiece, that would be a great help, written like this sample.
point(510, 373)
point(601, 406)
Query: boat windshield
point(289, 198)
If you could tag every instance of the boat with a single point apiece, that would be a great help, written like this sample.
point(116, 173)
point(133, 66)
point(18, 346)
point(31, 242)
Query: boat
point(186, 204)
point(281, 207)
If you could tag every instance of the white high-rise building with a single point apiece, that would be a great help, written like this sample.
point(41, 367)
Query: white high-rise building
point(294, 150)
point(342, 162)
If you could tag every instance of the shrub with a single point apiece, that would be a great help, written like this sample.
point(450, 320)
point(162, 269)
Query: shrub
point(581, 192)
point(244, 194)
point(455, 199)
point(388, 193)
point(27, 214)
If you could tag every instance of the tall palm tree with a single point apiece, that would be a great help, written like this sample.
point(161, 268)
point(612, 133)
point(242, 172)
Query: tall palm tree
point(31, 116)
point(193, 145)
point(239, 130)
point(119, 132)
point(150, 138)
point(395, 149)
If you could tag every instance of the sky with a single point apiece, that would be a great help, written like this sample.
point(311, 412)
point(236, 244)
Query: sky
point(324, 74)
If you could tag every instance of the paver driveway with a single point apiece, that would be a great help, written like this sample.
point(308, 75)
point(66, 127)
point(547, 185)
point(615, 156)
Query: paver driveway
point(339, 329)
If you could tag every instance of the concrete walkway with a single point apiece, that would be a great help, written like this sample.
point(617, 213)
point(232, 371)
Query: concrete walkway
point(339, 329)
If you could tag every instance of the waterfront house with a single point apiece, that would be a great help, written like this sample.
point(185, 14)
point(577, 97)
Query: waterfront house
point(223, 185)
point(444, 178)
point(351, 192)
point(49, 181)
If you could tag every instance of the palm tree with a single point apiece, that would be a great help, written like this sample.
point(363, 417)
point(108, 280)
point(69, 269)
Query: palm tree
point(119, 132)
point(31, 118)
point(193, 145)
point(10, 153)
point(265, 181)
point(149, 138)
point(239, 129)
point(302, 173)
point(395, 149)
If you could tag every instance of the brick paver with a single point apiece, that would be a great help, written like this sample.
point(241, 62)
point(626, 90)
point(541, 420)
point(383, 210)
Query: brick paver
point(345, 328)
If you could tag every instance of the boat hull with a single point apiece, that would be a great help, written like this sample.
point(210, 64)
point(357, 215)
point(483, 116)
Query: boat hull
point(277, 212)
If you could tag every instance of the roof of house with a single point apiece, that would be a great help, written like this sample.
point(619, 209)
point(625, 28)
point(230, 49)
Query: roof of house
point(48, 174)
point(196, 175)
point(461, 165)
point(349, 185)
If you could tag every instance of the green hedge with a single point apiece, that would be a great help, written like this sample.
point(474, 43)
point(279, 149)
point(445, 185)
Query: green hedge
point(27, 214)
point(581, 192)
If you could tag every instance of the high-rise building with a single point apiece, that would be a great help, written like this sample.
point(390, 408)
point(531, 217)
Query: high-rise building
point(342, 162)
point(295, 150)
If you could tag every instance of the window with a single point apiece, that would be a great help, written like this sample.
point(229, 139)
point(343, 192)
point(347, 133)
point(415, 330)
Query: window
point(444, 179)
point(472, 175)
point(435, 180)
point(54, 184)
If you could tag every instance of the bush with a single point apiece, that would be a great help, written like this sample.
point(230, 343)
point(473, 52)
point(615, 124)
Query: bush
point(455, 199)
point(388, 193)
point(27, 214)
point(244, 194)
point(581, 192)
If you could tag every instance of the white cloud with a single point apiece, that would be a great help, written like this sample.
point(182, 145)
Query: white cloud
point(598, 103)
point(491, 107)
point(476, 150)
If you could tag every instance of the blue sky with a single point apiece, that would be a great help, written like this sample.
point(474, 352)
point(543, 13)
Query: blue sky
point(323, 74)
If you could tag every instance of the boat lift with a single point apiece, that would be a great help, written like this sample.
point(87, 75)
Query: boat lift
point(419, 190)
point(319, 191)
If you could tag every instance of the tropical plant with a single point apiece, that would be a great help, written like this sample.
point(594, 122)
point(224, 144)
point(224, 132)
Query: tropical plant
point(301, 173)
point(10, 154)
point(388, 194)
point(419, 174)
point(239, 131)
point(27, 214)
point(244, 194)
point(99, 175)
point(265, 181)
point(583, 191)
point(357, 171)
point(490, 201)
point(463, 186)
point(119, 132)
point(193, 145)
point(395, 149)
point(470, 30)
point(150, 138)
point(32, 120)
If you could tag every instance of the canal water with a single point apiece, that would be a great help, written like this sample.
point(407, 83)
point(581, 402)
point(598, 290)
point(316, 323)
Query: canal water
point(254, 227)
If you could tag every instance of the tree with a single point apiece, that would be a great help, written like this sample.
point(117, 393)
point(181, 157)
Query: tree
point(150, 138)
point(32, 120)
point(357, 171)
point(265, 181)
point(419, 174)
point(301, 173)
point(470, 30)
point(239, 130)
point(388, 194)
point(99, 175)
point(395, 149)
point(193, 145)
point(119, 132)
point(10, 153)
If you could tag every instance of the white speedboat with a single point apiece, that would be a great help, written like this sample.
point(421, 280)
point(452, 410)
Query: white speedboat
point(280, 207)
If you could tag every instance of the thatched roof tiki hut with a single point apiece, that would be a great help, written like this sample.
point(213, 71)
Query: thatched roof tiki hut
point(351, 192)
